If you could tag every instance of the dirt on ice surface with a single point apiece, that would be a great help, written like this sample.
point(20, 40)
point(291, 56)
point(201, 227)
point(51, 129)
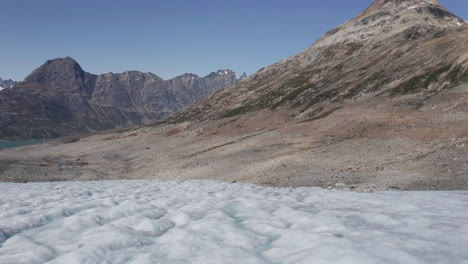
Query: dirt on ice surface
point(401, 143)
point(216, 222)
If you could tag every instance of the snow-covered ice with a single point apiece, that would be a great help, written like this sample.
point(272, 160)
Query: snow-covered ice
point(214, 222)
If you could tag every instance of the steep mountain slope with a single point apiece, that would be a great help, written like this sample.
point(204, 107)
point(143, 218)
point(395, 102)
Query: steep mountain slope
point(59, 99)
point(393, 48)
point(4, 84)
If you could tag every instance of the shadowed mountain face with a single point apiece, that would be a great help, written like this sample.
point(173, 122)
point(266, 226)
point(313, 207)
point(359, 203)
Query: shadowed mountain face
point(60, 99)
point(393, 48)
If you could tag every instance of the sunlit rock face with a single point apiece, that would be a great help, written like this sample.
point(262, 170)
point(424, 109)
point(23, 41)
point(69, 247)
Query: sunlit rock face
point(394, 47)
point(387, 17)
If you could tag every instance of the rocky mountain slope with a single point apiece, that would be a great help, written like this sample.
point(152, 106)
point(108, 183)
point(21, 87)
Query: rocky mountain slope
point(59, 99)
point(4, 84)
point(378, 103)
point(393, 48)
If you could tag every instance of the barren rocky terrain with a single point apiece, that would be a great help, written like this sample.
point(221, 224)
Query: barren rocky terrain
point(378, 103)
point(387, 144)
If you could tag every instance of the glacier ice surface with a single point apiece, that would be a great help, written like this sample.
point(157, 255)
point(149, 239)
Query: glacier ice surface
point(215, 222)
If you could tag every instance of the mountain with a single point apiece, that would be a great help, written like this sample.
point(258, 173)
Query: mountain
point(4, 84)
point(393, 48)
point(377, 103)
point(243, 76)
point(60, 99)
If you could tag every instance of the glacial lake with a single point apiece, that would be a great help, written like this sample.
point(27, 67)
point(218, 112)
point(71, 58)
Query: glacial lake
point(19, 143)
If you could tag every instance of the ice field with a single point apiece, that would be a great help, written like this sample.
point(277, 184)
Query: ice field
point(213, 222)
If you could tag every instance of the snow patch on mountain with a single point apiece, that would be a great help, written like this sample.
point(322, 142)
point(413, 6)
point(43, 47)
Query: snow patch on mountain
point(215, 222)
point(6, 84)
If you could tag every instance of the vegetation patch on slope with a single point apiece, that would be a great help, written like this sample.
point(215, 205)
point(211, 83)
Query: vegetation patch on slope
point(239, 110)
point(353, 47)
point(419, 83)
point(457, 76)
point(374, 82)
point(316, 116)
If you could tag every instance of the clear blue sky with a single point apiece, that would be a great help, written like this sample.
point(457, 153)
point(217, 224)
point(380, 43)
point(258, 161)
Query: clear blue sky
point(167, 37)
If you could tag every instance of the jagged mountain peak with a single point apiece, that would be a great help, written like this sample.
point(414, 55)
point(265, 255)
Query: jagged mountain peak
point(5, 84)
point(243, 77)
point(66, 62)
point(57, 70)
point(225, 71)
point(59, 99)
point(189, 75)
point(222, 72)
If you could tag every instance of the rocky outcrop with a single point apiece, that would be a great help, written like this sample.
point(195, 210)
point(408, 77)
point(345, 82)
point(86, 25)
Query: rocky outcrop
point(59, 99)
point(394, 48)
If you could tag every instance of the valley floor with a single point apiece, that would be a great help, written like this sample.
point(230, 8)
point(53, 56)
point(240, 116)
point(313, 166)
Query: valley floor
point(404, 143)
point(215, 222)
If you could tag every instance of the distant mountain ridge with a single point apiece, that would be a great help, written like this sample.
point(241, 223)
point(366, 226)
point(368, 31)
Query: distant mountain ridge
point(60, 99)
point(4, 84)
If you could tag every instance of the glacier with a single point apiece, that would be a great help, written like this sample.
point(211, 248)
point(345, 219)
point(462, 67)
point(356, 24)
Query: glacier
point(217, 222)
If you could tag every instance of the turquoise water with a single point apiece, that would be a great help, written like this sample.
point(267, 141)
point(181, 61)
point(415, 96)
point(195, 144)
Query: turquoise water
point(19, 143)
